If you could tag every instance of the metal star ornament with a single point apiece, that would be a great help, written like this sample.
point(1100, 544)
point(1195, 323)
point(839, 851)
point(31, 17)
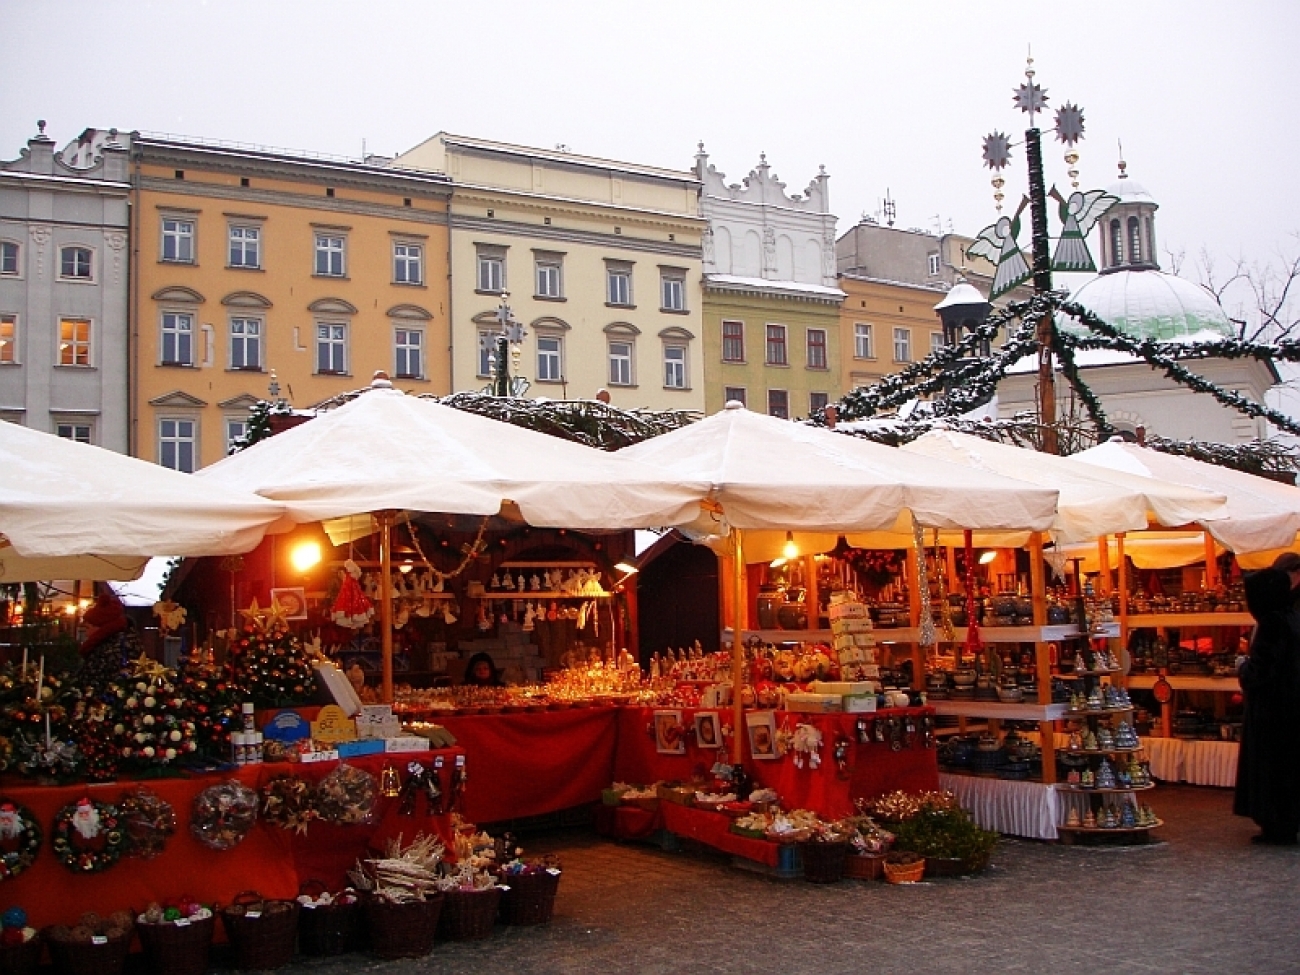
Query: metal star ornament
point(1030, 98)
point(997, 150)
point(1069, 123)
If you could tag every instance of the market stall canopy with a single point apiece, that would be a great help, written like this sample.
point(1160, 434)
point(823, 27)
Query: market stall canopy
point(1261, 517)
point(1093, 503)
point(62, 499)
point(18, 568)
point(768, 473)
point(1146, 550)
point(386, 450)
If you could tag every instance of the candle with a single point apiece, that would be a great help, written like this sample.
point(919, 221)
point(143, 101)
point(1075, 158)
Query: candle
point(47, 729)
point(40, 680)
point(23, 672)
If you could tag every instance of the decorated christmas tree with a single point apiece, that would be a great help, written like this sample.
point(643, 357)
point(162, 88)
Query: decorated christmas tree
point(213, 701)
point(268, 660)
point(153, 726)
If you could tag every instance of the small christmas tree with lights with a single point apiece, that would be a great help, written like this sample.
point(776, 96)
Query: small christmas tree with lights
point(213, 700)
point(268, 660)
point(153, 725)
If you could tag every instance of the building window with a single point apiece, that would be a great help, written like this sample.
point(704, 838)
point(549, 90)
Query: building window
point(1134, 241)
point(178, 240)
point(817, 403)
point(862, 341)
point(778, 403)
point(75, 263)
point(675, 367)
point(176, 444)
point(8, 257)
point(329, 256)
point(409, 346)
point(177, 339)
point(1116, 243)
point(78, 432)
point(932, 263)
point(936, 342)
point(246, 343)
point(408, 264)
point(549, 280)
point(246, 247)
point(550, 358)
point(733, 341)
point(620, 363)
point(673, 291)
point(331, 348)
point(902, 345)
point(776, 351)
point(618, 284)
point(487, 350)
point(74, 342)
point(816, 348)
point(236, 431)
point(734, 394)
point(491, 269)
point(8, 339)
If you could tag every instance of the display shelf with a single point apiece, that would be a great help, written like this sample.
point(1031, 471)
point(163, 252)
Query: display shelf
point(1147, 620)
point(1099, 751)
point(1080, 790)
point(1080, 674)
point(784, 636)
point(996, 709)
point(1144, 682)
point(988, 634)
point(508, 594)
point(1110, 830)
point(1100, 713)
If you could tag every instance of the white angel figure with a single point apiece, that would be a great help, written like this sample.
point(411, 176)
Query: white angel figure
point(1079, 214)
point(997, 244)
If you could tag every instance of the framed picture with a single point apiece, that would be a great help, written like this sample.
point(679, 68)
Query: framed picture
point(293, 602)
point(669, 739)
point(706, 730)
point(762, 734)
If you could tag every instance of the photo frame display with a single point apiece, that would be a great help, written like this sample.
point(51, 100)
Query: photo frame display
point(292, 602)
point(707, 732)
point(761, 726)
point(669, 734)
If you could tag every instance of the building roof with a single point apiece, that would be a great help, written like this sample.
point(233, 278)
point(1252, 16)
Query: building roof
point(1130, 191)
point(567, 158)
point(1151, 304)
point(791, 288)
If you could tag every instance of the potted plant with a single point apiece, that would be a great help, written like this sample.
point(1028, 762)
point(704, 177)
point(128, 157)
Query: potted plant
point(950, 842)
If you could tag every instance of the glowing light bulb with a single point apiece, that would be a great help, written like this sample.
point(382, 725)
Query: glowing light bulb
point(305, 555)
point(790, 550)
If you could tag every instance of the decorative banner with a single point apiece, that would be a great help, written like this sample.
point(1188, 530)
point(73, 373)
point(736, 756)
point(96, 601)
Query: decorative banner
point(333, 725)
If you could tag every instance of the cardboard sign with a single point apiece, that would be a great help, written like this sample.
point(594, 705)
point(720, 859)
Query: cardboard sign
point(333, 724)
point(287, 726)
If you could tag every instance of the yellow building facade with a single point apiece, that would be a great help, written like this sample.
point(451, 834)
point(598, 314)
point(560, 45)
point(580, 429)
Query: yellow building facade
point(884, 328)
point(599, 261)
point(257, 273)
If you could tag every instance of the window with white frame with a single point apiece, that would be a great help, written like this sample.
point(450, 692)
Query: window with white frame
point(177, 443)
point(549, 276)
point(736, 393)
point(80, 431)
point(236, 431)
point(8, 339)
point(816, 348)
point(331, 348)
point(902, 345)
point(177, 348)
point(862, 341)
point(491, 274)
point(620, 362)
point(777, 354)
point(674, 367)
point(550, 358)
point(178, 240)
point(672, 289)
point(246, 343)
point(733, 341)
point(936, 341)
point(8, 257)
point(932, 264)
point(487, 350)
point(76, 263)
point(245, 246)
point(408, 263)
point(618, 283)
point(74, 342)
point(330, 251)
point(408, 349)
point(778, 403)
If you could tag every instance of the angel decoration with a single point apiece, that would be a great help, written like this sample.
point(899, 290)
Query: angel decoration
point(1079, 214)
point(997, 244)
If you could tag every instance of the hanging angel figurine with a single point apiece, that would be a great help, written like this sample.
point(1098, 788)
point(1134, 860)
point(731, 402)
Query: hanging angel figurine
point(997, 244)
point(1079, 214)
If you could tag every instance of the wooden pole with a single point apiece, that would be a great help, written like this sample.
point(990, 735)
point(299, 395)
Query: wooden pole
point(1103, 566)
point(385, 519)
point(738, 648)
point(1042, 655)
point(1123, 607)
point(1211, 562)
point(812, 598)
point(915, 609)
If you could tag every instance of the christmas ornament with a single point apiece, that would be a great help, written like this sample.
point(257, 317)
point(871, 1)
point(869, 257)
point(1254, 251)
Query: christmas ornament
point(86, 836)
point(352, 608)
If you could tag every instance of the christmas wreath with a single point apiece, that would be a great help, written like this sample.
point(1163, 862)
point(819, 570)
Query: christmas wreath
point(80, 824)
point(147, 820)
point(20, 839)
point(346, 796)
point(223, 814)
point(288, 802)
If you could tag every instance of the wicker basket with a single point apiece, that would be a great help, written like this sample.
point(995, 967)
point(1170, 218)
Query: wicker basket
point(81, 958)
point(327, 929)
point(403, 930)
point(904, 871)
point(865, 866)
point(177, 949)
point(261, 931)
point(529, 897)
point(823, 863)
point(21, 959)
point(469, 915)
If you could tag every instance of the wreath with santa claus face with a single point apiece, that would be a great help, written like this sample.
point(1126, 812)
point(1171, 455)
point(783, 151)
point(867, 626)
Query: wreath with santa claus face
point(87, 836)
point(20, 839)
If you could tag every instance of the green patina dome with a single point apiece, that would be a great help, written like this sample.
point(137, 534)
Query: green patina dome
point(1150, 304)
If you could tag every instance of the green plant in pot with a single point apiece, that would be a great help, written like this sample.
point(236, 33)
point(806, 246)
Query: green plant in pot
point(947, 835)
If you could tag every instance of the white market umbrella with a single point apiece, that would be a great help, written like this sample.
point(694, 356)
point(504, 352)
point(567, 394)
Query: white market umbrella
point(386, 452)
point(1260, 517)
point(72, 510)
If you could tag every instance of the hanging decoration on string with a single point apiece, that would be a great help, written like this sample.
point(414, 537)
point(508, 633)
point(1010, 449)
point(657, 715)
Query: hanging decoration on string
point(352, 608)
point(927, 636)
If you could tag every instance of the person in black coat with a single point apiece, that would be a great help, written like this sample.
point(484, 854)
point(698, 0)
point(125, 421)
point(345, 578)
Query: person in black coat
point(1268, 764)
point(481, 671)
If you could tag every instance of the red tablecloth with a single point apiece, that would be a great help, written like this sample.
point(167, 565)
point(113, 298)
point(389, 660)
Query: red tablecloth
point(714, 829)
point(269, 859)
point(533, 763)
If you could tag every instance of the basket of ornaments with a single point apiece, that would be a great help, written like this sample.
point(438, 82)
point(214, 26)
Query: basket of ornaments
point(177, 936)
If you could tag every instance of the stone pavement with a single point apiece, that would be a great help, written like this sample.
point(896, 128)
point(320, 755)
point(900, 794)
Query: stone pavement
point(1205, 900)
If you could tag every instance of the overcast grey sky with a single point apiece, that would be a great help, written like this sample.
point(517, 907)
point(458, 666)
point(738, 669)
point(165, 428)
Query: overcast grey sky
point(890, 94)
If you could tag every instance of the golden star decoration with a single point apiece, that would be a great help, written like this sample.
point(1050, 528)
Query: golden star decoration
point(148, 668)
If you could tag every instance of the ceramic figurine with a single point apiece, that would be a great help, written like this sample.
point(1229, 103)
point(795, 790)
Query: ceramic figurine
point(448, 616)
point(507, 582)
point(1128, 818)
point(1073, 778)
point(535, 583)
point(519, 583)
point(1073, 818)
point(1076, 741)
point(1089, 820)
point(1105, 775)
point(1089, 741)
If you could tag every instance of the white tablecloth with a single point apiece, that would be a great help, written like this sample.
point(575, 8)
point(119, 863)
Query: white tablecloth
point(1166, 757)
point(1028, 809)
point(1194, 761)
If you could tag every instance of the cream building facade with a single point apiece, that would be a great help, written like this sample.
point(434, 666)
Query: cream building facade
point(599, 261)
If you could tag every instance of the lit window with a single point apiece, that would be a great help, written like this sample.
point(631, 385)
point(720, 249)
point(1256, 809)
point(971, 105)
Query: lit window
point(331, 348)
point(548, 279)
point(246, 343)
point(409, 347)
point(619, 285)
point(673, 291)
point(177, 339)
point(817, 402)
point(620, 363)
point(408, 264)
point(245, 247)
point(79, 432)
point(8, 257)
point(902, 345)
point(733, 341)
point(862, 341)
point(178, 240)
point(778, 403)
point(75, 262)
point(776, 352)
point(736, 393)
point(550, 358)
point(816, 348)
point(8, 339)
point(176, 444)
point(329, 256)
point(674, 367)
point(74, 342)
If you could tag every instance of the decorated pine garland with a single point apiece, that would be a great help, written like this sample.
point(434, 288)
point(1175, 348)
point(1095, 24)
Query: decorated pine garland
point(20, 838)
point(81, 823)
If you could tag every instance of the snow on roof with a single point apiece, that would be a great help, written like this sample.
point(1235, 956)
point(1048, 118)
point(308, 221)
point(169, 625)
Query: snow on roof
point(764, 284)
point(1151, 304)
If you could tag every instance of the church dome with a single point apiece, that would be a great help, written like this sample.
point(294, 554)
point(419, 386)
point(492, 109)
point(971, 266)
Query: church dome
point(1150, 304)
point(1130, 191)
